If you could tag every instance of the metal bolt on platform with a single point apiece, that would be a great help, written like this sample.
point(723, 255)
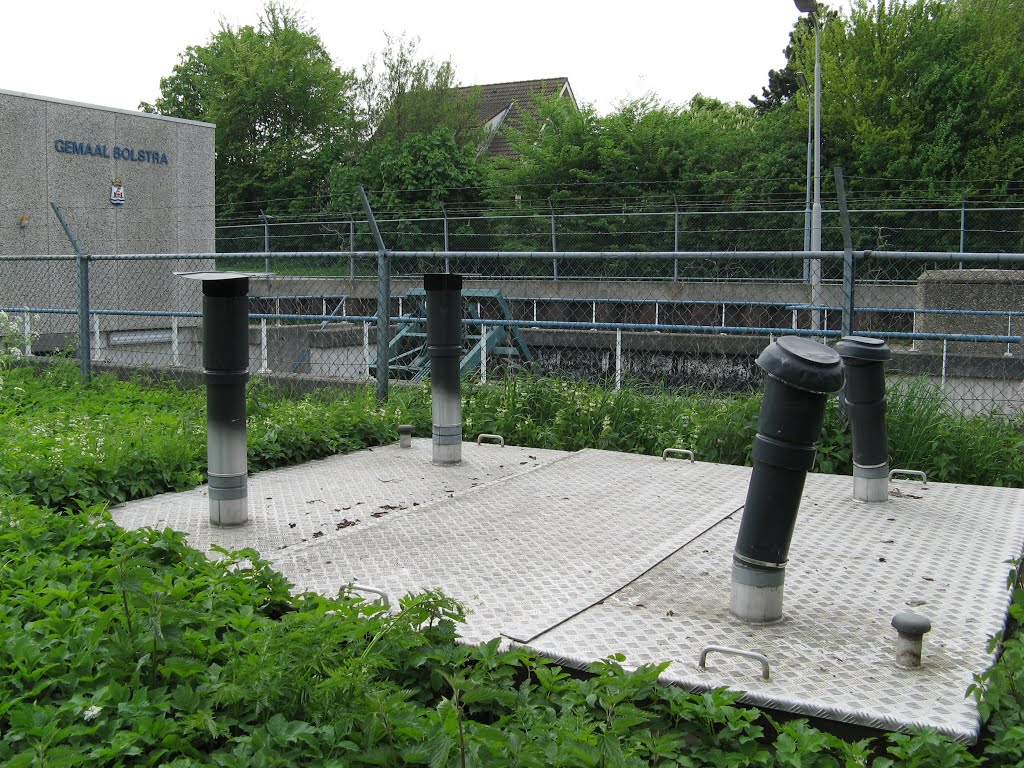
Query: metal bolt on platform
point(911, 629)
point(801, 374)
point(226, 371)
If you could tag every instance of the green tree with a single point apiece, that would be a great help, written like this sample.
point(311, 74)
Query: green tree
point(420, 171)
point(924, 94)
point(644, 145)
point(419, 145)
point(782, 83)
point(285, 114)
point(407, 94)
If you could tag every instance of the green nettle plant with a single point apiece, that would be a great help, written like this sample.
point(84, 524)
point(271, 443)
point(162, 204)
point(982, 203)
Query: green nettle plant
point(126, 648)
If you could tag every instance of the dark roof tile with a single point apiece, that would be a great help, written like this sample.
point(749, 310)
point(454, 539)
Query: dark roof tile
point(515, 97)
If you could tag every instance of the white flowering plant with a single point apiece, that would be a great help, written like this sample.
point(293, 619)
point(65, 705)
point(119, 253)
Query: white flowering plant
point(13, 338)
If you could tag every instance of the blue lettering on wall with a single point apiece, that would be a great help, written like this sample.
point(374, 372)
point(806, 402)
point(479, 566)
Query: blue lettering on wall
point(132, 154)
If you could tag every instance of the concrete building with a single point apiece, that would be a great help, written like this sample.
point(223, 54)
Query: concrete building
point(127, 182)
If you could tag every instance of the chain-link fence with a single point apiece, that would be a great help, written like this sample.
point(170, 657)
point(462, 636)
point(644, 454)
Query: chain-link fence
point(641, 296)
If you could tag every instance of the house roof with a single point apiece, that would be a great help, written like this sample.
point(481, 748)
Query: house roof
point(504, 104)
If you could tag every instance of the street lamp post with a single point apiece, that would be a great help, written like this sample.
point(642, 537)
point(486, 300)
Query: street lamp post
point(811, 7)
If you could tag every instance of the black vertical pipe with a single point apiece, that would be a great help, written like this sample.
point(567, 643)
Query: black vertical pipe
point(444, 347)
point(864, 359)
point(801, 375)
point(226, 371)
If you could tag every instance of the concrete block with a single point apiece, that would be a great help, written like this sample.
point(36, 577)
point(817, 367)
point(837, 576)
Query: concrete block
point(970, 289)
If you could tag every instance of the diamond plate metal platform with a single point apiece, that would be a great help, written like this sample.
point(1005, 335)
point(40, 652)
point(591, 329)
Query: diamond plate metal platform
point(586, 554)
point(939, 551)
point(304, 503)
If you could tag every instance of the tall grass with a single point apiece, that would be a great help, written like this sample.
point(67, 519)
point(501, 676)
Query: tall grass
point(570, 415)
point(925, 432)
point(66, 442)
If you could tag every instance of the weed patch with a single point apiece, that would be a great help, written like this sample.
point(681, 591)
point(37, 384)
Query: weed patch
point(129, 648)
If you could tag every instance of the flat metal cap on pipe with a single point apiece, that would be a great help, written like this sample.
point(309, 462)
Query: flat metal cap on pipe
point(863, 348)
point(220, 283)
point(442, 281)
point(803, 364)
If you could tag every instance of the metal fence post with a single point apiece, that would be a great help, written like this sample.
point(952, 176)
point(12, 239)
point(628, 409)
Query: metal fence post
point(447, 262)
point(175, 354)
point(618, 358)
point(84, 353)
point(26, 327)
point(849, 276)
point(945, 357)
point(675, 240)
point(97, 339)
point(483, 353)
point(366, 349)
point(266, 241)
point(264, 347)
point(351, 249)
point(554, 240)
point(963, 227)
point(383, 301)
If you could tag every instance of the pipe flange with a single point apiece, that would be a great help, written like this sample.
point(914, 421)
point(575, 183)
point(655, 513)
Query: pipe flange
point(866, 348)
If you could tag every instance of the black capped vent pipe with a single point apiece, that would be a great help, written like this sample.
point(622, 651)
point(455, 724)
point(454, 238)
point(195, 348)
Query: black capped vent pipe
point(864, 359)
point(801, 375)
point(444, 348)
point(226, 371)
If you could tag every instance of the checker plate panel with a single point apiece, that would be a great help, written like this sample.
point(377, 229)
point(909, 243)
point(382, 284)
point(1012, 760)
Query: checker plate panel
point(593, 553)
point(940, 552)
point(293, 505)
point(527, 556)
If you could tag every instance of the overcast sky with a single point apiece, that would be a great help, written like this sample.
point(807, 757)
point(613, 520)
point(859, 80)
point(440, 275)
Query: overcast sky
point(114, 53)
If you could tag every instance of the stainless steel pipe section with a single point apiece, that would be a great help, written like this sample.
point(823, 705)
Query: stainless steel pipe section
point(444, 347)
point(801, 375)
point(226, 370)
point(864, 359)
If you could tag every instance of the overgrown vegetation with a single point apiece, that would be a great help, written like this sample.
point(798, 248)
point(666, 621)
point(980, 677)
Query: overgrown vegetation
point(129, 648)
point(68, 443)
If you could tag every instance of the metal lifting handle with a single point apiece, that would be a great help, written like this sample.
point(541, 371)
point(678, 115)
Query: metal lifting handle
point(494, 438)
point(734, 652)
point(385, 597)
point(911, 473)
point(677, 452)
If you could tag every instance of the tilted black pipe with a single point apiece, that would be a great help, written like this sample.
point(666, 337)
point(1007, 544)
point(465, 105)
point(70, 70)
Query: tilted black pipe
point(444, 347)
point(864, 359)
point(226, 370)
point(801, 375)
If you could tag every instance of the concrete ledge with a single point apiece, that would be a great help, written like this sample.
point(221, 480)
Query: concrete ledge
point(998, 290)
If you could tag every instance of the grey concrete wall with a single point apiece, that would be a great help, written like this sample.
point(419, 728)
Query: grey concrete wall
point(169, 206)
point(971, 289)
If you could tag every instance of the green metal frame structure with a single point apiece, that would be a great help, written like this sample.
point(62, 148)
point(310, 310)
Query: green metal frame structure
point(407, 349)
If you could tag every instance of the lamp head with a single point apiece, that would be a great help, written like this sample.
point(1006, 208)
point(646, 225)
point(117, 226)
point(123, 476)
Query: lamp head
point(806, 6)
